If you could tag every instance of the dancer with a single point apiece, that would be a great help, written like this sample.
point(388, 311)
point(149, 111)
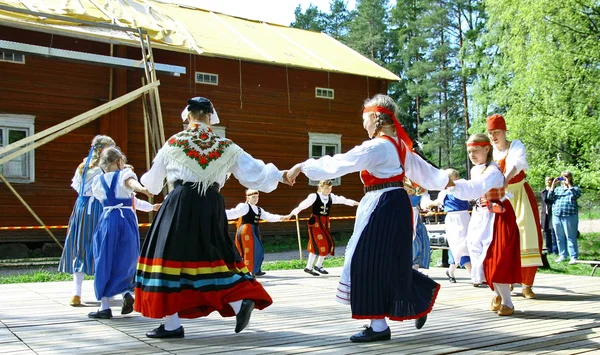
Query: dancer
point(117, 237)
point(457, 222)
point(421, 250)
point(511, 158)
point(189, 266)
point(77, 256)
point(378, 280)
point(247, 238)
point(493, 235)
point(320, 240)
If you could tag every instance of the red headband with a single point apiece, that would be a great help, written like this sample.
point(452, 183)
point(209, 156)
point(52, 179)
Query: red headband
point(399, 129)
point(478, 144)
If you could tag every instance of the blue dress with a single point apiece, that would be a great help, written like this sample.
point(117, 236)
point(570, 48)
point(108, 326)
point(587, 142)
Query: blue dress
point(421, 250)
point(116, 243)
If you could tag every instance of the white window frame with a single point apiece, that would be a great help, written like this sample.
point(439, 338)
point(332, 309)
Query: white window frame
point(5, 52)
point(324, 139)
point(323, 93)
point(21, 122)
point(204, 82)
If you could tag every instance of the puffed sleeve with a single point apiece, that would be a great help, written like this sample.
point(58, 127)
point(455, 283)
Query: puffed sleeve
point(142, 205)
point(270, 217)
point(154, 179)
point(255, 174)
point(237, 212)
point(305, 204)
point(478, 185)
point(97, 189)
point(517, 157)
point(341, 200)
point(420, 171)
point(125, 175)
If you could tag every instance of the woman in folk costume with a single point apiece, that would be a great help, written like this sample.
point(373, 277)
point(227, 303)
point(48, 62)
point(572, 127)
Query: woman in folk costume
point(493, 235)
point(247, 238)
point(421, 251)
point(457, 223)
point(117, 237)
point(378, 280)
point(78, 257)
point(511, 158)
point(189, 266)
point(320, 240)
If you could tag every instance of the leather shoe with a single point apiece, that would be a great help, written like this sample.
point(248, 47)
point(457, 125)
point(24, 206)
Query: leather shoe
point(506, 310)
point(105, 314)
point(75, 301)
point(127, 306)
point(260, 273)
point(527, 292)
point(369, 335)
point(161, 332)
point(310, 271)
point(321, 270)
point(243, 317)
point(420, 322)
point(452, 279)
point(496, 303)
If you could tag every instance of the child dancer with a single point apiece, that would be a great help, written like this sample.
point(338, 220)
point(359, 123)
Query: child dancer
point(117, 238)
point(319, 229)
point(247, 239)
point(457, 222)
point(421, 249)
point(493, 235)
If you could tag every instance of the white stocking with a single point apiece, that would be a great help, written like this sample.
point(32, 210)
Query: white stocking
point(172, 322)
point(311, 260)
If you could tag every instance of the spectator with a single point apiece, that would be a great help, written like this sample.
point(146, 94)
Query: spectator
point(565, 218)
point(546, 220)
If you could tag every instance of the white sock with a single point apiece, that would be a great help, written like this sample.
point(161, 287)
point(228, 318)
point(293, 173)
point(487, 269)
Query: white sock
point(320, 261)
point(77, 281)
point(452, 269)
point(172, 322)
point(379, 325)
point(104, 303)
point(311, 260)
point(237, 305)
point(504, 292)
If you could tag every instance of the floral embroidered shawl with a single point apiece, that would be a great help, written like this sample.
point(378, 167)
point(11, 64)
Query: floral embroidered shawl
point(202, 153)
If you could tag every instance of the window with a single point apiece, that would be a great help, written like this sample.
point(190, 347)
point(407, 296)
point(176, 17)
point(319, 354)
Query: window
point(13, 128)
point(13, 57)
point(207, 78)
point(321, 144)
point(324, 93)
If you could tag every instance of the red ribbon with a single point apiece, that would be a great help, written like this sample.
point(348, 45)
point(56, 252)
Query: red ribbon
point(478, 144)
point(399, 129)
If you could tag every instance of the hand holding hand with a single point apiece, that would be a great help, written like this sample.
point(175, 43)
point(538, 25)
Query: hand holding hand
point(286, 217)
point(156, 207)
point(286, 179)
point(356, 203)
point(293, 173)
point(146, 192)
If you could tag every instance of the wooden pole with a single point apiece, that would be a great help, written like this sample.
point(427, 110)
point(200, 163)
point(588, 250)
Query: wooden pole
point(147, 145)
point(29, 209)
point(299, 242)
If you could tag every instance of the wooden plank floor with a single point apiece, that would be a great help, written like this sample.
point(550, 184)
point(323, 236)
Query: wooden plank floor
point(304, 319)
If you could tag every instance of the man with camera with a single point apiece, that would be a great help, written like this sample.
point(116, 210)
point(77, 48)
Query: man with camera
point(565, 218)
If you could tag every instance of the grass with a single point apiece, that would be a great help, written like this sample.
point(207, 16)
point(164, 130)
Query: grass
point(37, 276)
point(282, 243)
point(300, 265)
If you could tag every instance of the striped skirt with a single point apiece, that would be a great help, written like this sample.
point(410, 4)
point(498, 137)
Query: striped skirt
point(78, 255)
point(189, 264)
point(383, 281)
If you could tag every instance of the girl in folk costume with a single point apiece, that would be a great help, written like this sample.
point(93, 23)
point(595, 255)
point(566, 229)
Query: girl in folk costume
point(117, 237)
point(511, 158)
point(378, 280)
point(189, 266)
point(78, 257)
point(247, 238)
point(320, 240)
point(493, 235)
point(457, 222)
point(421, 250)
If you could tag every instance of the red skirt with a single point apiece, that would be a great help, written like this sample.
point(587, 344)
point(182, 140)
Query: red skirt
point(320, 241)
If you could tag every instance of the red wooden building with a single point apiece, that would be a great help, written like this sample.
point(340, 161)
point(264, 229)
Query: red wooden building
point(282, 94)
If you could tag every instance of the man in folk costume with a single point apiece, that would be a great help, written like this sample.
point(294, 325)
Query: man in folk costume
point(189, 266)
point(511, 157)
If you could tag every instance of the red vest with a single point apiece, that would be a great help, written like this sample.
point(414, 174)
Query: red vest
point(370, 180)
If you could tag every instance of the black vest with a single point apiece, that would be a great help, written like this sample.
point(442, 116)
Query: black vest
point(320, 209)
point(251, 217)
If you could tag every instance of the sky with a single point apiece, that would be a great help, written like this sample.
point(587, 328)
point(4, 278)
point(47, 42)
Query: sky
point(273, 11)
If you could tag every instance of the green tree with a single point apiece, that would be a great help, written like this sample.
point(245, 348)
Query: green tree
point(312, 19)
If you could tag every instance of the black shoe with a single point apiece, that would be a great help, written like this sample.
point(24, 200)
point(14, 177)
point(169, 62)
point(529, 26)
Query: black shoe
point(161, 332)
point(260, 273)
point(105, 314)
point(321, 270)
point(369, 335)
point(127, 306)
point(310, 271)
point(243, 316)
point(450, 278)
point(420, 322)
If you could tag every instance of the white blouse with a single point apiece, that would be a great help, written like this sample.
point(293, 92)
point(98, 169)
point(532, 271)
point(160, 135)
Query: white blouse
point(515, 156)
point(483, 179)
point(121, 190)
point(89, 178)
point(380, 157)
point(242, 209)
point(251, 173)
point(335, 199)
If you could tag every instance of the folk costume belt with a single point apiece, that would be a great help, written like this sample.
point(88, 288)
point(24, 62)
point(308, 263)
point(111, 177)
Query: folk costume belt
point(385, 185)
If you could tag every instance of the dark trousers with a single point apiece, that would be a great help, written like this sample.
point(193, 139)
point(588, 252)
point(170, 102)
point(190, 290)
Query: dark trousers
point(551, 244)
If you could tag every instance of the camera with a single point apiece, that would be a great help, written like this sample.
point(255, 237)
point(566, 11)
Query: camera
point(560, 178)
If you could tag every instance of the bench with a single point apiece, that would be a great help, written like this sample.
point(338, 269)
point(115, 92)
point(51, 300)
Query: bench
point(590, 262)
